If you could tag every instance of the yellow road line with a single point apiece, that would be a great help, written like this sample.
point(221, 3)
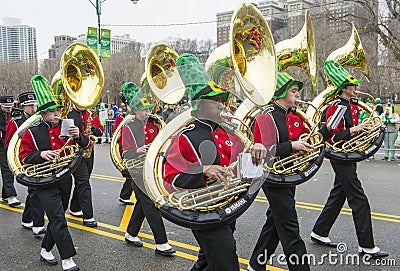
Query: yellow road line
point(127, 214)
point(299, 204)
point(345, 211)
point(181, 254)
point(108, 177)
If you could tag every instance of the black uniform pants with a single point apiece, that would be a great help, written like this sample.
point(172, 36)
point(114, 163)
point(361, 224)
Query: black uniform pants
point(217, 249)
point(145, 207)
point(281, 225)
point(33, 210)
point(347, 186)
point(126, 190)
point(82, 195)
point(54, 201)
point(8, 189)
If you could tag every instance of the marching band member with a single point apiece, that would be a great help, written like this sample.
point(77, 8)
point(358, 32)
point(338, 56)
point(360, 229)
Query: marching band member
point(136, 137)
point(33, 215)
point(126, 189)
point(40, 143)
point(279, 130)
point(81, 203)
point(8, 192)
point(391, 120)
point(188, 167)
point(346, 185)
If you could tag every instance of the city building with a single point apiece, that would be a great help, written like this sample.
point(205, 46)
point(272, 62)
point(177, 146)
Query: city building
point(116, 42)
point(17, 41)
point(295, 14)
point(274, 13)
point(60, 44)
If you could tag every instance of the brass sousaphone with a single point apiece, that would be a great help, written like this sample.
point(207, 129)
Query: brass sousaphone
point(299, 167)
point(81, 75)
point(214, 204)
point(161, 83)
point(365, 144)
point(300, 52)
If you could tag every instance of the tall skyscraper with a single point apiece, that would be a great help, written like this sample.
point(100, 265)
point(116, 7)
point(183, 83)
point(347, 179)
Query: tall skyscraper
point(17, 42)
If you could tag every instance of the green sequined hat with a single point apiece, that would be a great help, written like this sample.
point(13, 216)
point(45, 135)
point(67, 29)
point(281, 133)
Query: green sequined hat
point(284, 82)
point(135, 97)
point(339, 76)
point(197, 82)
point(44, 94)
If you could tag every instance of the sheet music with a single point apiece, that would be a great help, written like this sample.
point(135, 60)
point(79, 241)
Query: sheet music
point(337, 116)
point(246, 168)
point(65, 124)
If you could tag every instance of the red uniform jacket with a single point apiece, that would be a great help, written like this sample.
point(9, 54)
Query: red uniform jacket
point(41, 137)
point(12, 127)
point(135, 134)
point(350, 119)
point(276, 127)
point(198, 145)
point(4, 120)
point(117, 121)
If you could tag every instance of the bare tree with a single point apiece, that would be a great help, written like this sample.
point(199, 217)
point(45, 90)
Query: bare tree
point(373, 18)
point(50, 67)
point(127, 65)
point(15, 77)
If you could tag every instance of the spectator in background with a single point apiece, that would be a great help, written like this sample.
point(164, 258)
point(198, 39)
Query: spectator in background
point(379, 107)
point(115, 109)
point(109, 126)
point(171, 112)
point(102, 120)
point(390, 119)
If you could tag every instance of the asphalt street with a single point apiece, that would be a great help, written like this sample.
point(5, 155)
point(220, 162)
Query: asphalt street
point(103, 248)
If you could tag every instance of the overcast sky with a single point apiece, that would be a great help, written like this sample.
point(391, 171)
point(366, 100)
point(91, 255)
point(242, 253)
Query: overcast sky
point(72, 17)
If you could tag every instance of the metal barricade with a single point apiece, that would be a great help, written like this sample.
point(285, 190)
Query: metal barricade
point(108, 129)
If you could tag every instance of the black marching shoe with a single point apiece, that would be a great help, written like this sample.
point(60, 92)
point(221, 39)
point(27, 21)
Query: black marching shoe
point(374, 255)
point(38, 231)
point(49, 262)
point(132, 240)
point(319, 242)
point(27, 225)
point(134, 243)
point(69, 265)
point(126, 201)
point(13, 201)
point(91, 222)
point(76, 214)
point(168, 253)
point(50, 259)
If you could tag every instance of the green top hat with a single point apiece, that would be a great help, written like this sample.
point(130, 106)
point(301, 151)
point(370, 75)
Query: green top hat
point(44, 94)
point(339, 76)
point(284, 82)
point(135, 97)
point(197, 81)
